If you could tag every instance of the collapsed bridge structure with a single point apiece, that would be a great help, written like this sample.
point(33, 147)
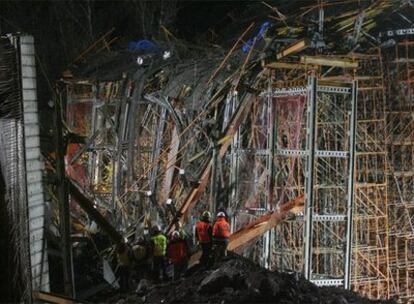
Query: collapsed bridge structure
point(304, 135)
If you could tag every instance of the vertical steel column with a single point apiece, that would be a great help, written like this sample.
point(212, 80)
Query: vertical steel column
point(156, 151)
point(213, 182)
point(270, 175)
point(351, 177)
point(120, 130)
point(97, 124)
point(64, 212)
point(310, 172)
point(234, 167)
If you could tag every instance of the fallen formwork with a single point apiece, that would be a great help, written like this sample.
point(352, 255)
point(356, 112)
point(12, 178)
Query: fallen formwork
point(238, 280)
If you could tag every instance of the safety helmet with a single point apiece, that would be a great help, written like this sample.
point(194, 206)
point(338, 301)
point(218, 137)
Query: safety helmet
point(221, 214)
point(206, 215)
point(175, 235)
point(156, 229)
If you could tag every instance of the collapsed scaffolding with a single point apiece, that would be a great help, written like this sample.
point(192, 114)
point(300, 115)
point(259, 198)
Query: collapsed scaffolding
point(302, 150)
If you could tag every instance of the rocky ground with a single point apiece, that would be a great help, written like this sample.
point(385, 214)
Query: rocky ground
point(237, 280)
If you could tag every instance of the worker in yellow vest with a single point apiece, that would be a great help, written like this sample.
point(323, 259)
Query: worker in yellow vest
point(159, 251)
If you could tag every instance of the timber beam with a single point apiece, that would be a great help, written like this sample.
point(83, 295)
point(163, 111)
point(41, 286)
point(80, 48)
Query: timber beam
point(47, 297)
point(329, 61)
point(285, 65)
point(86, 203)
point(242, 237)
point(293, 48)
point(261, 225)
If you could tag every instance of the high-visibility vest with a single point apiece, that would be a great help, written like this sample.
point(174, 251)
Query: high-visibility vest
point(177, 251)
point(203, 231)
point(160, 245)
point(221, 228)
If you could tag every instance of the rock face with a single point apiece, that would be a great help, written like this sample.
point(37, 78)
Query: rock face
point(237, 280)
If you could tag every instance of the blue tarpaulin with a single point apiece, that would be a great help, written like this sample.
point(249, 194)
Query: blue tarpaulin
point(246, 47)
point(141, 45)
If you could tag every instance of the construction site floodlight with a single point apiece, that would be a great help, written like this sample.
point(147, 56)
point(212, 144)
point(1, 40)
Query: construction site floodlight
point(166, 55)
point(140, 60)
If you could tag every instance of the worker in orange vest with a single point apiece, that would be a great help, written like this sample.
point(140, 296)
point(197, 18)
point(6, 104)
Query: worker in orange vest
point(221, 234)
point(204, 232)
point(178, 254)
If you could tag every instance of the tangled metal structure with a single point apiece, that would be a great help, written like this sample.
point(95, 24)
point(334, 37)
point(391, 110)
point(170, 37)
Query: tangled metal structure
point(304, 140)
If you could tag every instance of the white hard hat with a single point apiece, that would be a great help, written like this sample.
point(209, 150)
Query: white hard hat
point(175, 234)
point(221, 214)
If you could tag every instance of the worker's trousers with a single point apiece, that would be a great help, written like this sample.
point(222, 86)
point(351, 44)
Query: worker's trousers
point(220, 249)
point(159, 265)
point(123, 273)
point(179, 269)
point(205, 259)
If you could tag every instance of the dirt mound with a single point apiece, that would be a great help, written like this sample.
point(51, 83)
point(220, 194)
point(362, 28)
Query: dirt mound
point(237, 280)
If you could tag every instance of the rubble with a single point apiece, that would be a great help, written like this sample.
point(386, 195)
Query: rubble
point(238, 280)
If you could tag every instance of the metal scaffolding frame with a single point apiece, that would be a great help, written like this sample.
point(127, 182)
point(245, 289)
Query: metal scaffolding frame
point(328, 137)
point(318, 240)
point(400, 148)
point(370, 263)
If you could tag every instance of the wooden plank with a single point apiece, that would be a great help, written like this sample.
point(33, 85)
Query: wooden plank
point(263, 224)
point(293, 48)
point(52, 298)
point(329, 61)
point(248, 233)
point(286, 65)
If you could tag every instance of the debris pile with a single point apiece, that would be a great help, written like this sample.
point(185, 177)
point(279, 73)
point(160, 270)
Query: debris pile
point(237, 280)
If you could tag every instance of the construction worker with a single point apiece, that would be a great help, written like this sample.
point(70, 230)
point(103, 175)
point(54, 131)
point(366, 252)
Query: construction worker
point(141, 257)
point(159, 246)
point(124, 264)
point(178, 253)
point(221, 234)
point(204, 232)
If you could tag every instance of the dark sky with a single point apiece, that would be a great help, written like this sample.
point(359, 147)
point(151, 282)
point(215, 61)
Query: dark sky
point(196, 17)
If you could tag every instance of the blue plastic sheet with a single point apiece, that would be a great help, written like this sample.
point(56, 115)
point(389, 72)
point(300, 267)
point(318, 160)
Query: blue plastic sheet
point(141, 45)
point(246, 47)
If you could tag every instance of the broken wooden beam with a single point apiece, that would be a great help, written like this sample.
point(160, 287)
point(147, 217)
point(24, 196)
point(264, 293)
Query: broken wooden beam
point(47, 297)
point(329, 61)
point(263, 224)
point(293, 48)
point(86, 203)
point(257, 228)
